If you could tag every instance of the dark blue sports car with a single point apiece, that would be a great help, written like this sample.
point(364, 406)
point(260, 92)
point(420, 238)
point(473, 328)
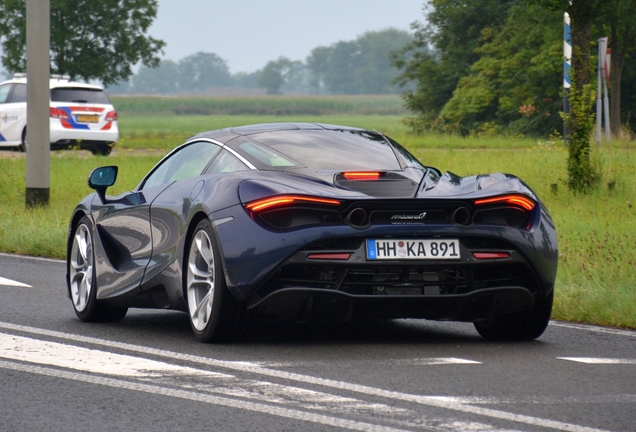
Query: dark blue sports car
point(310, 222)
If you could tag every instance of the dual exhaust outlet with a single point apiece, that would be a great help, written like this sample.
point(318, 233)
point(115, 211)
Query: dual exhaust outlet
point(359, 217)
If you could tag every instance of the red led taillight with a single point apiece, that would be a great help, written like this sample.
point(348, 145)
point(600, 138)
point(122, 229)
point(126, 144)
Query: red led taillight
point(491, 255)
point(58, 113)
point(362, 175)
point(111, 116)
point(282, 200)
point(514, 200)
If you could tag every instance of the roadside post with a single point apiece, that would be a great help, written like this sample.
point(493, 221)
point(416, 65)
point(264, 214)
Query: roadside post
point(38, 133)
point(602, 98)
point(567, 65)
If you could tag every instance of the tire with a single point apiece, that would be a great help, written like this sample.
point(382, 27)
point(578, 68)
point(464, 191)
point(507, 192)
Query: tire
point(102, 151)
point(214, 314)
point(82, 278)
point(23, 145)
point(526, 325)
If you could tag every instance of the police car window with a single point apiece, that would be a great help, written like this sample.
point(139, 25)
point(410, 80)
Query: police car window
point(78, 95)
point(226, 162)
point(4, 93)
point(19, 93)
point(189, 161)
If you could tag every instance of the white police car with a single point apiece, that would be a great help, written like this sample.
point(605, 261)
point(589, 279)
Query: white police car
point(81, 115)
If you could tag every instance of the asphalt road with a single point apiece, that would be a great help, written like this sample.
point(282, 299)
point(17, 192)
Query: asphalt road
point(149, 373)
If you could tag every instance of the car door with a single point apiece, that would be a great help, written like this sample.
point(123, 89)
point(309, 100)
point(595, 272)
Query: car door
point(124, 224)
point(13, 114)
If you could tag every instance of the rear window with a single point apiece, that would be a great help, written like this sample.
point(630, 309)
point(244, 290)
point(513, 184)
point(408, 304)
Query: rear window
point(336, 150)
point(78, 95)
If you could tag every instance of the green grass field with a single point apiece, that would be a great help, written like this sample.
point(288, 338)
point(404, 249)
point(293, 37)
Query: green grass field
point(596, 281)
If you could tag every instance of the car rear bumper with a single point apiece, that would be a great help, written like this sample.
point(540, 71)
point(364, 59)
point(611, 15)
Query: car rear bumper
point(305, 304)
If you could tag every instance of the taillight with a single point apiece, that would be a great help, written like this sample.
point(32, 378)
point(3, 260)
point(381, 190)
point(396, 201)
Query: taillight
point(283, 200)
point(58, 113)
point(520, 201)
point(111, 116)
point(361, 175)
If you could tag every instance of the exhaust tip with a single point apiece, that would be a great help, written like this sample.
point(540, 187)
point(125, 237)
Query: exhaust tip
point(461, 216)
point(358, 217)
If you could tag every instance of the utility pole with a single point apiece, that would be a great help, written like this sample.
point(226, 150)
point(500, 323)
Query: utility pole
point(38, 154)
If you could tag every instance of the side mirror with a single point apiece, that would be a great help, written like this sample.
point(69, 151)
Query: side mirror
point(101, 179)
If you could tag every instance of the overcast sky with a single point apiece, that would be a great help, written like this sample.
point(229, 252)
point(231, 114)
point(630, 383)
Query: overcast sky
point(249, 33)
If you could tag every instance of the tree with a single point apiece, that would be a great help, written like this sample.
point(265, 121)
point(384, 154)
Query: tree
point(162, 79)
point(202, 70)
point(621, 16)
point(93, 40)
point(359, 66)
point(273, 75)
point(516, 83)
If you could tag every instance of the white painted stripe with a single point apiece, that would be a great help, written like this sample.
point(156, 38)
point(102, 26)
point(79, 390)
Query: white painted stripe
point(206, 398)
point(435, 401)
point(426, 361)
point(9, 282)
point(596, 329)
point(34, 258)
point(599, 360)
point(89, 360)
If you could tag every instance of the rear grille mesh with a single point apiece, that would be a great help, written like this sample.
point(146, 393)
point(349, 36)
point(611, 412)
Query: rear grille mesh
point(296, 217)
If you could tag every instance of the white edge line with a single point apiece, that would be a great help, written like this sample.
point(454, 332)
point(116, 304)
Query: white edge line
point(594, 328)
point(599, 360)
point(211, 399)
point(443, 402)
point(34, 258)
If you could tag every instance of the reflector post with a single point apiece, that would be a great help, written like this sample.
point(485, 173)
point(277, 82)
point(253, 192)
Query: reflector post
point(282, 200)
point(515, 200)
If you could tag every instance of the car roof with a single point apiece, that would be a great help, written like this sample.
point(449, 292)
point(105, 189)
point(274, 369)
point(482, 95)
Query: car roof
point(56, 81)
point(224, 135)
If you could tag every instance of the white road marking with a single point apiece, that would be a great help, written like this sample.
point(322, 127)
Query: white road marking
point(206, 398)
point(9, 282)
point(426, 361)
point(34, 258)
point(593, 328)
point(443, 402)
point(165, 375)
point(599, 360)
point(89, 360)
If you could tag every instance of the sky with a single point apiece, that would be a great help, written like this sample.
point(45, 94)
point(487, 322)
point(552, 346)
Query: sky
point(249, 33)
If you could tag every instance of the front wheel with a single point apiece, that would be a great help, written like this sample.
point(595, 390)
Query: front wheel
point(214, 314)
point(526, 325)
point(81, 279)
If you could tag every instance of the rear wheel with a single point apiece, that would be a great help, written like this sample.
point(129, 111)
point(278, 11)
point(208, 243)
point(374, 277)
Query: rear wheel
point(526, 325)
point(214, 314)
point(81, 279)
point(23, 145)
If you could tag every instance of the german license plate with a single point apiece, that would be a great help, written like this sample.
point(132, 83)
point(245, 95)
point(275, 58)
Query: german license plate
point(396, 249)
point(88, 118)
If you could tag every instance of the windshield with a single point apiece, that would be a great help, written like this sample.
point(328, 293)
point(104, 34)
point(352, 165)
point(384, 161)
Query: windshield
point(78, 95)
point(336, 150)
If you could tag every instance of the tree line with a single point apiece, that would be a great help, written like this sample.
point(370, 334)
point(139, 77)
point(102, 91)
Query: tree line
point(360, 66)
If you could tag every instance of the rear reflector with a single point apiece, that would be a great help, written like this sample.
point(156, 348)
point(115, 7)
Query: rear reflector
point(329, 256)
point(516, 200)
point(366, 175)
point(280, 200)
point(491, 255)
